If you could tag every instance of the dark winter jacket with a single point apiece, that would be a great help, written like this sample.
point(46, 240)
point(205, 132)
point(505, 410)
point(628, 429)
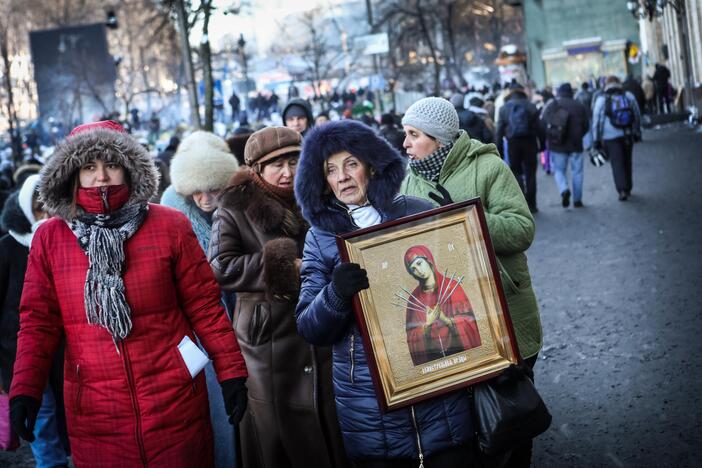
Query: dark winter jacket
point(13, 264)
point(578, 124)
point(134, 403)
point(474, 125)
point(323, 318)
point(514, 99)
point(308, 112)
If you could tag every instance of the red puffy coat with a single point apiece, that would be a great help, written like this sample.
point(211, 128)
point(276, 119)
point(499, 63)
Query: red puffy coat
point(136, 405)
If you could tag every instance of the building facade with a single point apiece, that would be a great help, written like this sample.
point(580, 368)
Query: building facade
point(675, 40)
point(574, 40)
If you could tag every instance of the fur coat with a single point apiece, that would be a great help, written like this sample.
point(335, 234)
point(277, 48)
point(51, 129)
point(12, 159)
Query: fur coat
point(290, 421)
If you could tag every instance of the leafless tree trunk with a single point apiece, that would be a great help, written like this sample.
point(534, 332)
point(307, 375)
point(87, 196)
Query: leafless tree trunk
point(188, 62)
point(10, 103)
point(206, 57)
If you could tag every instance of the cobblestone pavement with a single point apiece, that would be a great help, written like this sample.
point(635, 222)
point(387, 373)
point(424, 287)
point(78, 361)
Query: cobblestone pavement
point(619, 289)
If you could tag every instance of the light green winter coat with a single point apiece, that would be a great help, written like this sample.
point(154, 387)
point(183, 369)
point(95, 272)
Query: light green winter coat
point(474, 169)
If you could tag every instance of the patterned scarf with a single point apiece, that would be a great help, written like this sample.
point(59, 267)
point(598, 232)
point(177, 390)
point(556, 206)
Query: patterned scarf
point(430, 167)
point(102, 236)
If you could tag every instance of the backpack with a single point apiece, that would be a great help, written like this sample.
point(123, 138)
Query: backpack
point(619, 111)
point(556, 123)
point(518, 124)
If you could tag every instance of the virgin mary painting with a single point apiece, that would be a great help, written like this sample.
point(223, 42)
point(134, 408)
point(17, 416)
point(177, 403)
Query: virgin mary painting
point(439, 317)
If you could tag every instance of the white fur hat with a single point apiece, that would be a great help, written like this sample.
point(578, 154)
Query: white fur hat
point(202, 163)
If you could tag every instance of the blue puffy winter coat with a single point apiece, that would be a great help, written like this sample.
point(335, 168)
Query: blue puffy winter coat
point(325, 319)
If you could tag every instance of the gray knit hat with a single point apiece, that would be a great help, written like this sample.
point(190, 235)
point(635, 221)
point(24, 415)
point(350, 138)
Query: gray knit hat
point(434, 116)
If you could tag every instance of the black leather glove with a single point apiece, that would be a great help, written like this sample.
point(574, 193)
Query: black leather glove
point(348, 279)
point(235, 398)
point(597, 144)
point(23, 415)
point(443, 198)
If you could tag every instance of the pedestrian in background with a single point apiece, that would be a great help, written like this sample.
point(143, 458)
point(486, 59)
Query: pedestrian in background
point(519, 125)
point(472, 123)
point(447, 166)
point(256, 250)
point(199, 170)
point(584, 95)
point(616, 126)
point(297, 115)
point(126, 282)
point(21, 216)
point(566, 122)
point(349, 179)
point(391, 132)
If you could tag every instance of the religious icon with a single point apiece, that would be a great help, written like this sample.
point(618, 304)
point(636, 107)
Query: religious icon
point(434, 317)
point(439, 318)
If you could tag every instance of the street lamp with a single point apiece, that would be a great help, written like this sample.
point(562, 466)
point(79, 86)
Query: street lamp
point(242, 44)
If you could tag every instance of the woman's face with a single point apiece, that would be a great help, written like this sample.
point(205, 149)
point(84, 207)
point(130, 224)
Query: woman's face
point(421, 269)
point(206, 201)
point(347, 176)
point(418, 144)
point(98, 173)
point(281, 171)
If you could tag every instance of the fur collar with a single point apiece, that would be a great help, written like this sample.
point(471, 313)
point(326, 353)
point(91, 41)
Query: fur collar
point(270, 215)
point(55, 186)
point(319, 207)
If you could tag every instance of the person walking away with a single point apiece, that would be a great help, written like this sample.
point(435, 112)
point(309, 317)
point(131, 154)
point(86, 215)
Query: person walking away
point(256, 250)
point(566, 122)
point(519, 124)
point(128, 286)
point(633, 86)
point(447, 166)
point(584, 95)
point(199, 170)
point(348, 178)
point(616, 126)
point(21, 216)
point(473, 124)
point(298, 116)
point(661, 78)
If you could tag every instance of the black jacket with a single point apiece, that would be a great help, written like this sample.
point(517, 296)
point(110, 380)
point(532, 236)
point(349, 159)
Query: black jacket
point(578, 124)
point(518, 97)
point(474, 125)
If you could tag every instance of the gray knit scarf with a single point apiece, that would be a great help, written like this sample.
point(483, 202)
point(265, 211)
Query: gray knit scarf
point(430, 167)
point(102, 236)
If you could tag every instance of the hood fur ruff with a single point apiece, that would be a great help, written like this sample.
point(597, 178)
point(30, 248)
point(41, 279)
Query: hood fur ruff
point(203, 163)
point(56, 177)
point(316, 200)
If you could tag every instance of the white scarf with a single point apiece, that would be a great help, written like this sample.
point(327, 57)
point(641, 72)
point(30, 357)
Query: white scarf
point(364, 216)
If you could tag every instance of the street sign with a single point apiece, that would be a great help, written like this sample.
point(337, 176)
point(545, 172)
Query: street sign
point(372, 44)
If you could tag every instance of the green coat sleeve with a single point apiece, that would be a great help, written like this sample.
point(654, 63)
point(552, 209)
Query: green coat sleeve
point(509, 221)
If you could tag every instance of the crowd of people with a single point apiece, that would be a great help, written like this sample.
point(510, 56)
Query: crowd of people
point(138, 259)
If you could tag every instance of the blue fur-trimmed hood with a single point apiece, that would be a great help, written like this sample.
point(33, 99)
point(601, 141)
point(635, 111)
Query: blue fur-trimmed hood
point(319, 206)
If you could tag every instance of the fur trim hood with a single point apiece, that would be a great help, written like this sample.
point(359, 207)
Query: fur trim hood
point(57, 175)
point(13, 217)
point(319, 206)
point(203, 163)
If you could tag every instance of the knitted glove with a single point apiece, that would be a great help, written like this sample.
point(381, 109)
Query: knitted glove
point(23, 415)
point(348, 279)
point(443, 198)
point(235, 398)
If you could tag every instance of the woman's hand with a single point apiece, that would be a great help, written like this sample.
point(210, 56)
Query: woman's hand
point(433, 314)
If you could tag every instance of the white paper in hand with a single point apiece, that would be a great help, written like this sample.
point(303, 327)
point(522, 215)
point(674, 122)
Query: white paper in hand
point(193, 356)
